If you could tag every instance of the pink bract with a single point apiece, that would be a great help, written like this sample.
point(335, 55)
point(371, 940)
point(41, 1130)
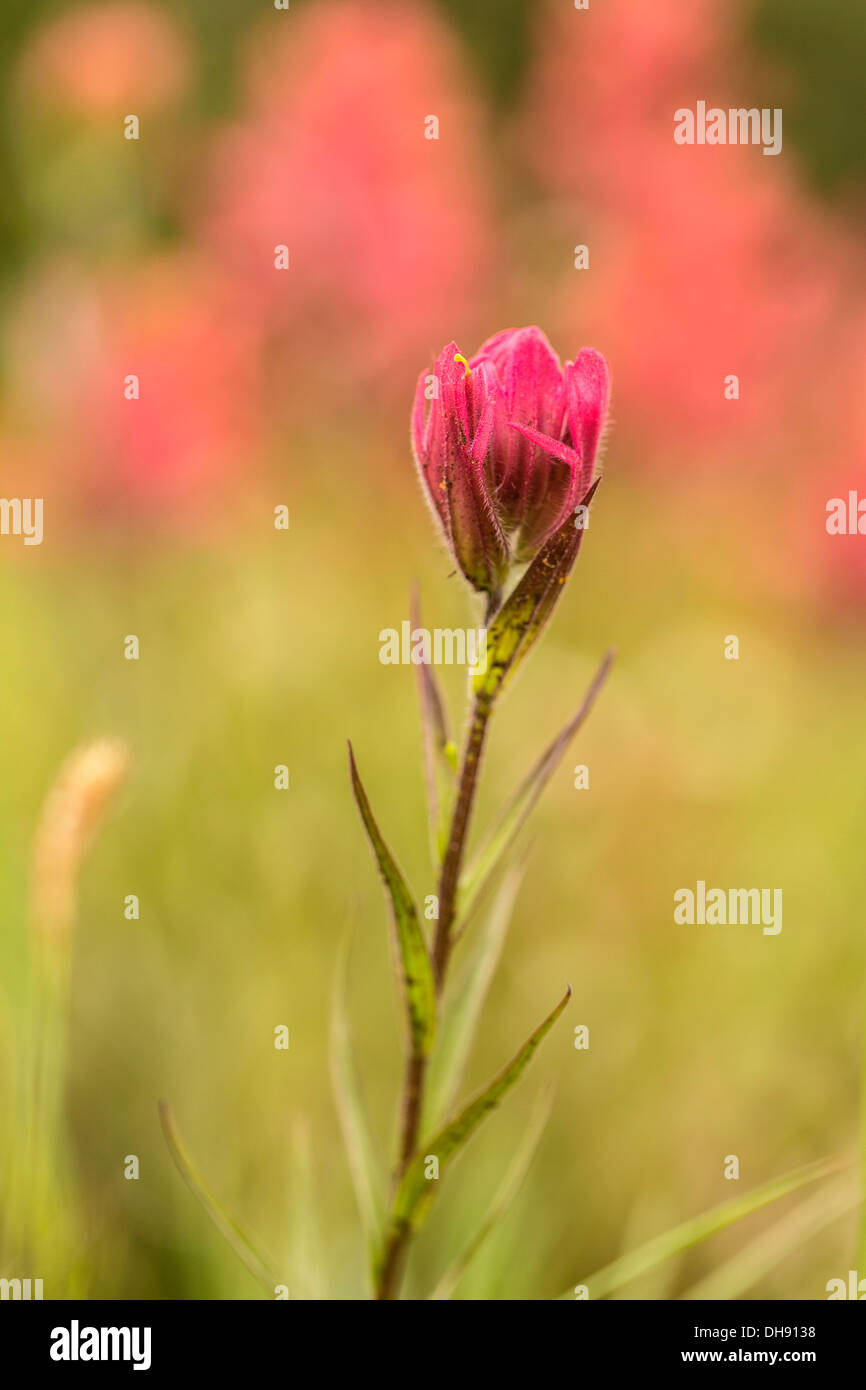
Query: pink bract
point(506, 444)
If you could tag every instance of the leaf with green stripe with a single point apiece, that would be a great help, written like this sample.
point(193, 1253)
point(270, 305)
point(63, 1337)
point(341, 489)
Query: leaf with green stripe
point(309, 1275)
point(503, 1200)
point(363, 1166)
point(463, 1001)
point(500, 839)
point(243, 1244)
point(621, 1271)
point(415, 1193)
point(416, 971)
point(774, 1246)
point(438, 748)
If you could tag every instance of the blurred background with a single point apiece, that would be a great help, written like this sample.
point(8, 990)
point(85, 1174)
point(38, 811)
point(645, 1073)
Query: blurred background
point(259, 647)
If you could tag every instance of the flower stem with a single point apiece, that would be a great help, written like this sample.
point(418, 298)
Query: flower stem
point(393, 1265)
point(393, 1262)
point(413, 1096)
point(453, 861)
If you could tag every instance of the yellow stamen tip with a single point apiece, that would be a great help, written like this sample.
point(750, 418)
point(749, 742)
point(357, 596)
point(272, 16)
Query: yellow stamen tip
point(460, 358)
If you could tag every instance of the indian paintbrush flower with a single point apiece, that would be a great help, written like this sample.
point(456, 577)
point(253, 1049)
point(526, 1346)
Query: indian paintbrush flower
point(507, 451)
point(506, 443)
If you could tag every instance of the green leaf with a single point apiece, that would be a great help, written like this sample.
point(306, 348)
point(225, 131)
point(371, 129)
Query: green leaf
point(417, 972)
point(464, 1001)
point(353, 1124)
point(507, 828)
point(653, 1252)
point(439, 761)
point(228, 1225)
point(528, 609)
point(415, 1193)
point(764, 1254)
point(307, 1261)
point(507, 1192)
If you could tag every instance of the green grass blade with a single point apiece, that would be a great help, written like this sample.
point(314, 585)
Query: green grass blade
point(627, 1267)
point(765, 1253)
point(463, 1004)
point(353, 1123)
point(497, 844)
point(438, 748)
point(415, 1193)
point(417, 973)
point(228, 1225)
point(507, 1192)
point(306, 1256)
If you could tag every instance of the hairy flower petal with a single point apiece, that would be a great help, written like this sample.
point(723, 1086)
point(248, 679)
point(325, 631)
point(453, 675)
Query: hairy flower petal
point(508, 446)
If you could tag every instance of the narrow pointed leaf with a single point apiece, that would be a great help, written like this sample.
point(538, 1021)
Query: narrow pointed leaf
point(353, 1123)
point(627, 1267)
point(526, 612)
point(417, 973)
point(228, 1225)
point(497, 844)
point(507, 1192)
point(438, 762)
point(307, 1260)
point(764, 1254)
point(464, 1002)
point(415, 1193)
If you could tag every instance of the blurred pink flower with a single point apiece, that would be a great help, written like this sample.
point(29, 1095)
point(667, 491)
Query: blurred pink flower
point(832, 563)
point(388, 231)
point(706, 262)
point(605, 86)
point(107, 59)
point(195, 426)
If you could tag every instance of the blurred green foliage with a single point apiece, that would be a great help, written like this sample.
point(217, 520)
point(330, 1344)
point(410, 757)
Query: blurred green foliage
point(264, 649)
point(823, 48)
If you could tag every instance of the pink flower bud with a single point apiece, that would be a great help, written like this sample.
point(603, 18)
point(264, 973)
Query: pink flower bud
point(506, 444)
